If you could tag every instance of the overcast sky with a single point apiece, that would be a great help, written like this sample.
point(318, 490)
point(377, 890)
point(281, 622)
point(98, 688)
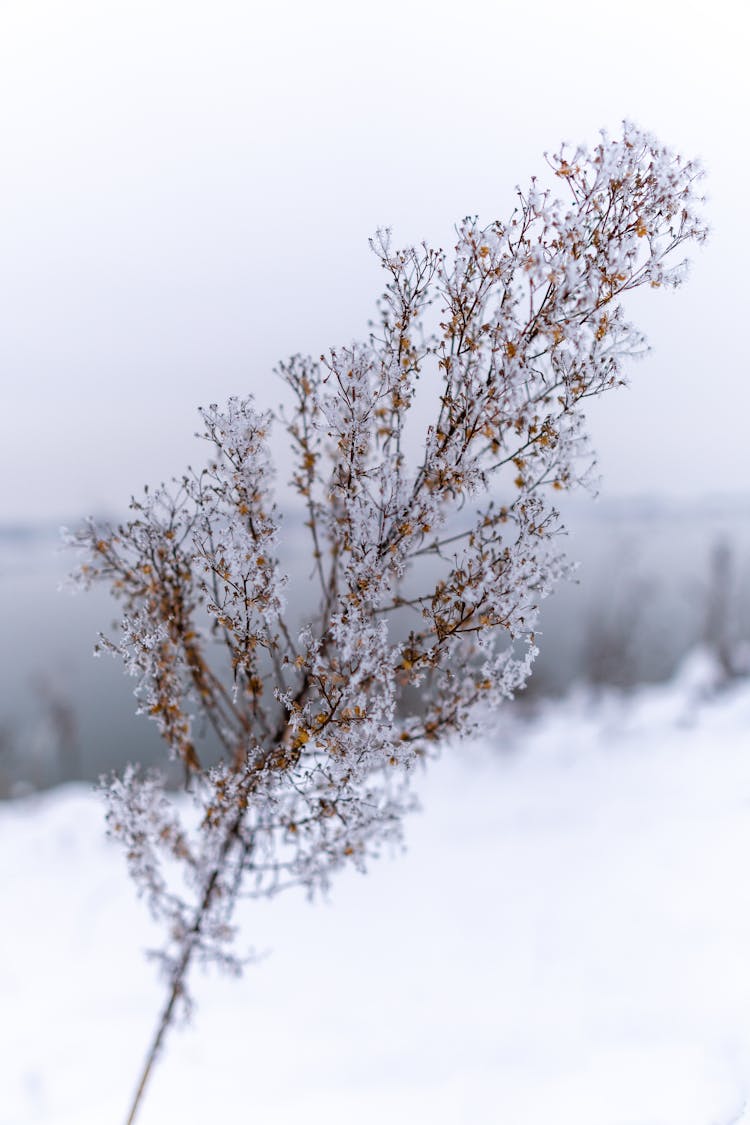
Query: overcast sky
point(187, 191)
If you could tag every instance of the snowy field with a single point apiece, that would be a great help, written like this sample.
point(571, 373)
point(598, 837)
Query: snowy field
point(566, 940)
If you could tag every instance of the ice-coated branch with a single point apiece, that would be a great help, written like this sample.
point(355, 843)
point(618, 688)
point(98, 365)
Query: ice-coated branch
point(428, 572)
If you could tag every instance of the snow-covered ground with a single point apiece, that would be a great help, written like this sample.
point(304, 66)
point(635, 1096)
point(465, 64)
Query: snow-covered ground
point(566, 940)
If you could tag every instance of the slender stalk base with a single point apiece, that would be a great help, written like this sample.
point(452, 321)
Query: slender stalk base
point(180, 973)
point(161, 1030)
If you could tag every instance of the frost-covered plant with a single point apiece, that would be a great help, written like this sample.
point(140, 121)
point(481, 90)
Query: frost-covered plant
point(429, 569)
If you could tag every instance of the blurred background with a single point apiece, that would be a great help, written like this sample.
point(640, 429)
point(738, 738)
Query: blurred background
point(186, 198)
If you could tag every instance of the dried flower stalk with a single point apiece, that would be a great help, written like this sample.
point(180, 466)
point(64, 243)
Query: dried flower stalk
point(316, 732)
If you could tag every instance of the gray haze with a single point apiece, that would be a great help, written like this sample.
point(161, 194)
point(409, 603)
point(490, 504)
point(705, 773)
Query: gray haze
point(187, 191)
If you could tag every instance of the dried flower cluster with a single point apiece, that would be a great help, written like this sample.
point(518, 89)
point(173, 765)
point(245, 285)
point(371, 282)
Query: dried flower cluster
point(429, 571)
